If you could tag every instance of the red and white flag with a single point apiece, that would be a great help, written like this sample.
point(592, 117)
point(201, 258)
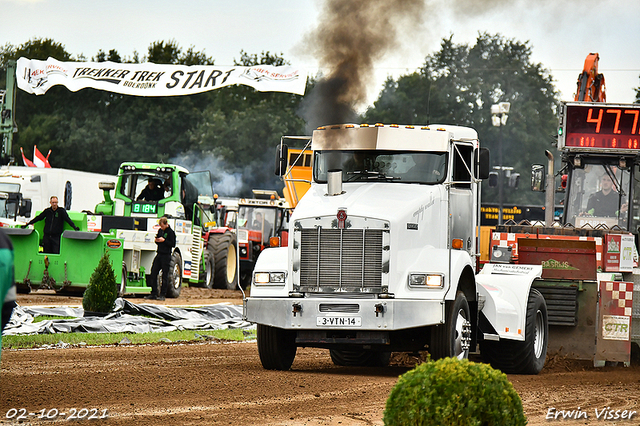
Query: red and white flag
point(40, 160)
point(25, 161)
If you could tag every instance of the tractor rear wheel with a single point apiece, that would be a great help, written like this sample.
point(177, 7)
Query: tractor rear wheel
point(224, 252)
point(209, 269)
point(175, 276)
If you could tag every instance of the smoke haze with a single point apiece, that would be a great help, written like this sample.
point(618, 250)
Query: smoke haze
point(231, 181)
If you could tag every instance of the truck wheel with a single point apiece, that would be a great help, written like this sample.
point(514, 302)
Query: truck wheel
point(123, 281)
point(175, 276)
point(453, 338)
point(276, 347)
point(224, 253)
point(209, 269)
point(526, 357)
point(360, 358)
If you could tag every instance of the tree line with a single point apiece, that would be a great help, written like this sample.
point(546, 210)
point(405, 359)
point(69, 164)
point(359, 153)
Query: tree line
point(233, 131)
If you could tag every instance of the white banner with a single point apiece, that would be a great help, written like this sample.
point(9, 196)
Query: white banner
point(36, 76)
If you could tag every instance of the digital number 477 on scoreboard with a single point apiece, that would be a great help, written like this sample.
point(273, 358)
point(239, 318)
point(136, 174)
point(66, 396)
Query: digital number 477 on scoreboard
point(594, 126)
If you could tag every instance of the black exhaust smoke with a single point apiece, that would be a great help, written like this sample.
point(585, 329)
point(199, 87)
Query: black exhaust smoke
point(350, 38)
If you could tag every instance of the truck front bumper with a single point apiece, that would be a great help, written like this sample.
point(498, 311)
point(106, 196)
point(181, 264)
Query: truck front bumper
point(343, 314)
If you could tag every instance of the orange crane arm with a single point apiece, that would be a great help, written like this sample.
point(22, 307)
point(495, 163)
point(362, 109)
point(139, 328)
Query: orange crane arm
point(591, 86)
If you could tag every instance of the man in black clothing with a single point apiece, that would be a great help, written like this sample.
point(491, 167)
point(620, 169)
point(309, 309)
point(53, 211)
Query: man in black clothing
point(605, 202)
point(152, 192)
point(166, 241)
point(54, 218)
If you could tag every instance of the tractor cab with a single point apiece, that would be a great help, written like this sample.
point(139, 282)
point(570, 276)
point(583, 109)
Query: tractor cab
point(155, 190)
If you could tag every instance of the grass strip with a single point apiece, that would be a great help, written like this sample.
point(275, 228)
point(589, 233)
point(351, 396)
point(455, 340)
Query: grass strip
point(97, 339)
point(41, 318)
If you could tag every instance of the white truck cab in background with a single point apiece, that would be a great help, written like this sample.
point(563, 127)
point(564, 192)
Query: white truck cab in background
point(75, 190)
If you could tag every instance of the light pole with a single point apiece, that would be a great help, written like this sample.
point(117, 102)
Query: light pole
point(499, 115)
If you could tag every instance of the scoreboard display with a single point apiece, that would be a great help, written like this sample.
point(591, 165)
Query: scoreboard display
point(599, 127)
point(143, 207)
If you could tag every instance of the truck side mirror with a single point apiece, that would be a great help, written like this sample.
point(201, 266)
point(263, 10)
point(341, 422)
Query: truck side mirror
point(483, 163)
point(282, 153)
point(537, 177)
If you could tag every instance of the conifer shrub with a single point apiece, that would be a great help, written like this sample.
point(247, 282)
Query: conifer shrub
point(453, 392)
point(101, 293)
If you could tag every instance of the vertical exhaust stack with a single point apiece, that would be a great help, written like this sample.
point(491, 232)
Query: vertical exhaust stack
point(549, 199)
point(334, 182)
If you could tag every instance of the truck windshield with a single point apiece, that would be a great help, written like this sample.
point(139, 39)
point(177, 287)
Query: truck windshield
point(8, 206)
point(146, 186)
point(257, 219)
point(598, 195)
point(371, 165)
point(9, 187)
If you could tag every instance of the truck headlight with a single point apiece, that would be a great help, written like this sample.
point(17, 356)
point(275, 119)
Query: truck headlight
point(426, 280)
point(269, 278)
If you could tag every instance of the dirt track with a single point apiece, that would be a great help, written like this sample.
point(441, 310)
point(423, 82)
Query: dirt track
point(213, 383)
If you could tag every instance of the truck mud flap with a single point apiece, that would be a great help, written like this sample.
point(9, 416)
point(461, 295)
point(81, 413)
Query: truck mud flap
point(562, 303)
point(575, 340)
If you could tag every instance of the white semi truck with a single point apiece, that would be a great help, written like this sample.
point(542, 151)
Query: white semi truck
point(382, 258)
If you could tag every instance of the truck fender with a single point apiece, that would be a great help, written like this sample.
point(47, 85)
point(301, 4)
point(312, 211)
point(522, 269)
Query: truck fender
point(220, 230)
point(460, 261)
point(503, 291)
point(274, 259)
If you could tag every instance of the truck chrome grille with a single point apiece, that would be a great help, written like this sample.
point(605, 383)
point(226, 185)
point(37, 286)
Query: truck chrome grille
point(341, 260)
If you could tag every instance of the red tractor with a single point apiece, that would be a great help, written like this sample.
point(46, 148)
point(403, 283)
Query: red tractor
point(262, 222)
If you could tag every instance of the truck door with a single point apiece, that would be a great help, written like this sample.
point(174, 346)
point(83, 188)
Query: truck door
point(461, 201)
point(197, 188)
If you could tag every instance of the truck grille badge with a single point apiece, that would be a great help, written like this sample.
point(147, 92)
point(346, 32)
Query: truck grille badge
point(342, 217)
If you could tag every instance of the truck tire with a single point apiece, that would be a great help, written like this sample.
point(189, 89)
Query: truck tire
point(175, 276)
point(209, 269)
point(276, 347)
point(526, 357)
point(360, 358)
point(453, 338)
point(224, 253)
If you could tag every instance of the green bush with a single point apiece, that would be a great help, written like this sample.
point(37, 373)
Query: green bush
point(101, 293)
point(453, 392)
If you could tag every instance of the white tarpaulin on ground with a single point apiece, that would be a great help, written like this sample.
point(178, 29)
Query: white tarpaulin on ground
point(126, 318)
point(147, 79)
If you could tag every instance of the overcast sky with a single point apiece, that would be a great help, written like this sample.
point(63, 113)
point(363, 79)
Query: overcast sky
point(561, 32)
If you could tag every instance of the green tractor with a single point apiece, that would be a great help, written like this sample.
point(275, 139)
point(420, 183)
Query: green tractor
point(125, 224)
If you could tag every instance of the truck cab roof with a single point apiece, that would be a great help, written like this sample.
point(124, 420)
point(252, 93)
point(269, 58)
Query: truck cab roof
point(434, 138)
point(129, 167)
